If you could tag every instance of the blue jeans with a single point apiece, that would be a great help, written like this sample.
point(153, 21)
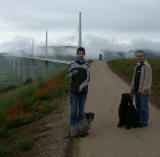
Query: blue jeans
point(77, 102)
point(142, 107)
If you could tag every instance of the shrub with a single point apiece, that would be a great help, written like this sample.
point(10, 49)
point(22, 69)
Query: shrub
point(57, 92)
point(4, 151)
point(3, 132)
point(25, 144)
point(45, 109)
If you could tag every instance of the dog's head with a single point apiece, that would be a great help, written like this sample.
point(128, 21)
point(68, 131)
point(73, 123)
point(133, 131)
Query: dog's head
point(89, 116)
point(126, 99)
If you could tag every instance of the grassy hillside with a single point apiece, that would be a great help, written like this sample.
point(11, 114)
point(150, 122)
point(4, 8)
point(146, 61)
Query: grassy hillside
point(125, 68)
point(27, 104)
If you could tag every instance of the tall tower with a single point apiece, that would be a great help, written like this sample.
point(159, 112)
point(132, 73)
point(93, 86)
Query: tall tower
point(33, 47)
point(46, 48)
point(80, 32)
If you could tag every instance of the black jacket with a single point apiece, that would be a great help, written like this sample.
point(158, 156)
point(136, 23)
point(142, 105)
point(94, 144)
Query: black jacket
point(81, 78)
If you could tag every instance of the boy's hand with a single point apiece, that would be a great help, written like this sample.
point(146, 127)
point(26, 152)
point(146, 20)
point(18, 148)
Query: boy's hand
point(74, 72)
point(80, 89)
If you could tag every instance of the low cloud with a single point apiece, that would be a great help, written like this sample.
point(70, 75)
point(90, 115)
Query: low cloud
point(93, 44)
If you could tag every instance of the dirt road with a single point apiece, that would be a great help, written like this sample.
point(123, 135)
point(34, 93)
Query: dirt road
point(105, 139)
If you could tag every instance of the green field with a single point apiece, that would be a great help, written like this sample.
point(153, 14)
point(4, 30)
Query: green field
point(126, 67)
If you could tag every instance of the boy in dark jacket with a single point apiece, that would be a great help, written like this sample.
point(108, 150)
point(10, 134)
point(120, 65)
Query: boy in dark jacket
point(79, 73)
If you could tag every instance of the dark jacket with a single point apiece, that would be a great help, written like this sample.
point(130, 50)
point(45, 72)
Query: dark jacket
point(82, 77)
point(137, 77)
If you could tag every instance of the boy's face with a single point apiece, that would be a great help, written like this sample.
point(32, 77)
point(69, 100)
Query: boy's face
point(80, 54)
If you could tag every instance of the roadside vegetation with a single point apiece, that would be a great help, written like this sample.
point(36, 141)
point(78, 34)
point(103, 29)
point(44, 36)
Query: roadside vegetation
point(29, 102)
point(24, 105)
point(125, 67)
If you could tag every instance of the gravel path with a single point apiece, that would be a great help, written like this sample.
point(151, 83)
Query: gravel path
point(105, 139)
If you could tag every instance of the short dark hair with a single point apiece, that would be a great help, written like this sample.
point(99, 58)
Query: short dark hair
point(80, 49)
point(141, 51)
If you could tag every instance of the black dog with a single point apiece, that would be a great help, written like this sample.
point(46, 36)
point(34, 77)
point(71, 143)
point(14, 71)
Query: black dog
point(127, 112)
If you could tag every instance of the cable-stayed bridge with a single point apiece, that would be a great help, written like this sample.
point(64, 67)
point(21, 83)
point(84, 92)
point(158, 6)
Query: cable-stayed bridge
point(19, 61)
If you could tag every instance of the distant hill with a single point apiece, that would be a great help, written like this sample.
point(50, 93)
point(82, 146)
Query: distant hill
point(152, 53)
point(129, 54)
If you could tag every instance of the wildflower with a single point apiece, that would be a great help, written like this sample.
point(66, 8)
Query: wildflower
point(7, 119)
point(44, 84)
point(22, 111)
point(40, 108)
point(21, 117)
point(45, 90)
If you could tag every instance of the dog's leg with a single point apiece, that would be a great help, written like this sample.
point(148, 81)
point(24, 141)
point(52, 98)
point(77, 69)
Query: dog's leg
point(135, 123)
point(121, 123)
point(128, 124)
point(128, 127)
point(74, 131)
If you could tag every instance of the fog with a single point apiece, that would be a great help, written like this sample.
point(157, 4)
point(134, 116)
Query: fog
point(93, 44)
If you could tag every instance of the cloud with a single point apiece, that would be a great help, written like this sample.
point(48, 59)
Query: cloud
point(93, 44)
point(112, 24)
point(146, 44)
point(18, 44)
point(115, 15)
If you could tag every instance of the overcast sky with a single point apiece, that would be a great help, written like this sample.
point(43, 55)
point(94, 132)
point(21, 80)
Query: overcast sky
point(112, 21)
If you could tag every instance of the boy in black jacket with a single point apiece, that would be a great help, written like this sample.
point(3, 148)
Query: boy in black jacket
point(79, 73)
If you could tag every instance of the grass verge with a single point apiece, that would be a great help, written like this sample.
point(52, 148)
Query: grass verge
point(27, 104)
point(125, 67)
